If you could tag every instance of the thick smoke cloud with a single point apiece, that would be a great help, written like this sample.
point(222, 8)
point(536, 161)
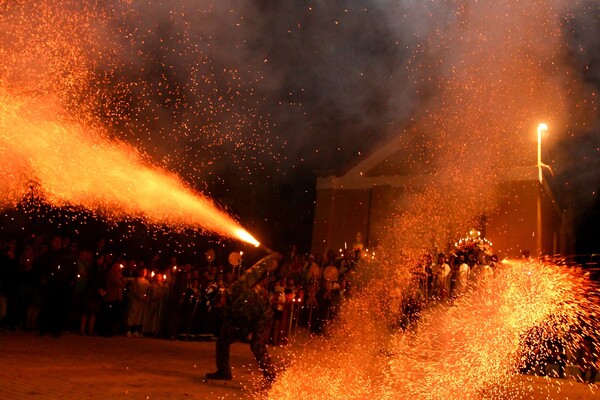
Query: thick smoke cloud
point(264, 94)
point(579, 158)
point(327, 77)
point(577, 153)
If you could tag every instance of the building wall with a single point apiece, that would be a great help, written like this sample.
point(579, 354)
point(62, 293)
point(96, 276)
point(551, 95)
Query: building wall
point(385, 200)
point(512, 228)
point(518, 224)
point(339, 215)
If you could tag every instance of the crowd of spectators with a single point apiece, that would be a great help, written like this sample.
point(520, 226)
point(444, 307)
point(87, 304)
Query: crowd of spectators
point(56, 285)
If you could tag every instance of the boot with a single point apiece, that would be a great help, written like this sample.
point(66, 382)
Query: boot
point(221, 376)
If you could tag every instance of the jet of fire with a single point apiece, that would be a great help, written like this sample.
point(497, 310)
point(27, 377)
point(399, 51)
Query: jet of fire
point(72, 164)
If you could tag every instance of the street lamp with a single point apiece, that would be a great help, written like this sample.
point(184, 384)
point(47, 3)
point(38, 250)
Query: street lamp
point(541, 127)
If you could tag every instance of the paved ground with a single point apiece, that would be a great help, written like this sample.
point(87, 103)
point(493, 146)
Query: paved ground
point(75, 367)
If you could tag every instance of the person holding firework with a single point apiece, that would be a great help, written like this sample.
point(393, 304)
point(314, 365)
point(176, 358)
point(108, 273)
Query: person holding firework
point(248, 314)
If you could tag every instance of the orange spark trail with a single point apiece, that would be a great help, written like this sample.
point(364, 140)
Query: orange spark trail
point(470, 350)
point(75, 165)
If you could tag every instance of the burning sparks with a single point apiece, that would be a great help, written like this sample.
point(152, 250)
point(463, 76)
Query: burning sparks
point(68, 82)
point(470, 350)
point(485, 66)
point(494, 80)
point(71, 164)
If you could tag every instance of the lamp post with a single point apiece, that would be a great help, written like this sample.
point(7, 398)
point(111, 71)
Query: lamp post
point(542, 127)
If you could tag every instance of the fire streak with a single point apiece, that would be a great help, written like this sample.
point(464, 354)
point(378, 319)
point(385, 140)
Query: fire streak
point(75, 165)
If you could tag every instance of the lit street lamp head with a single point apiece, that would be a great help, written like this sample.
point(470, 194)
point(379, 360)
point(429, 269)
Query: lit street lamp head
point(541, 127)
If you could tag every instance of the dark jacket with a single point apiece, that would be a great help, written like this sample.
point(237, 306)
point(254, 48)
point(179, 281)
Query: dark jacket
point(248, 305)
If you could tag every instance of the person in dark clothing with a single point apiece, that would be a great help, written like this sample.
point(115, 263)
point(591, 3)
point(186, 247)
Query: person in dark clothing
point(175, 300)
point(93, 297)
point(58, 274)
point(248, 313)
point(114, 300)
point(556, 354)
point(9, 285)
point(533, 351)
point(587, 360)
point(189, 310)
